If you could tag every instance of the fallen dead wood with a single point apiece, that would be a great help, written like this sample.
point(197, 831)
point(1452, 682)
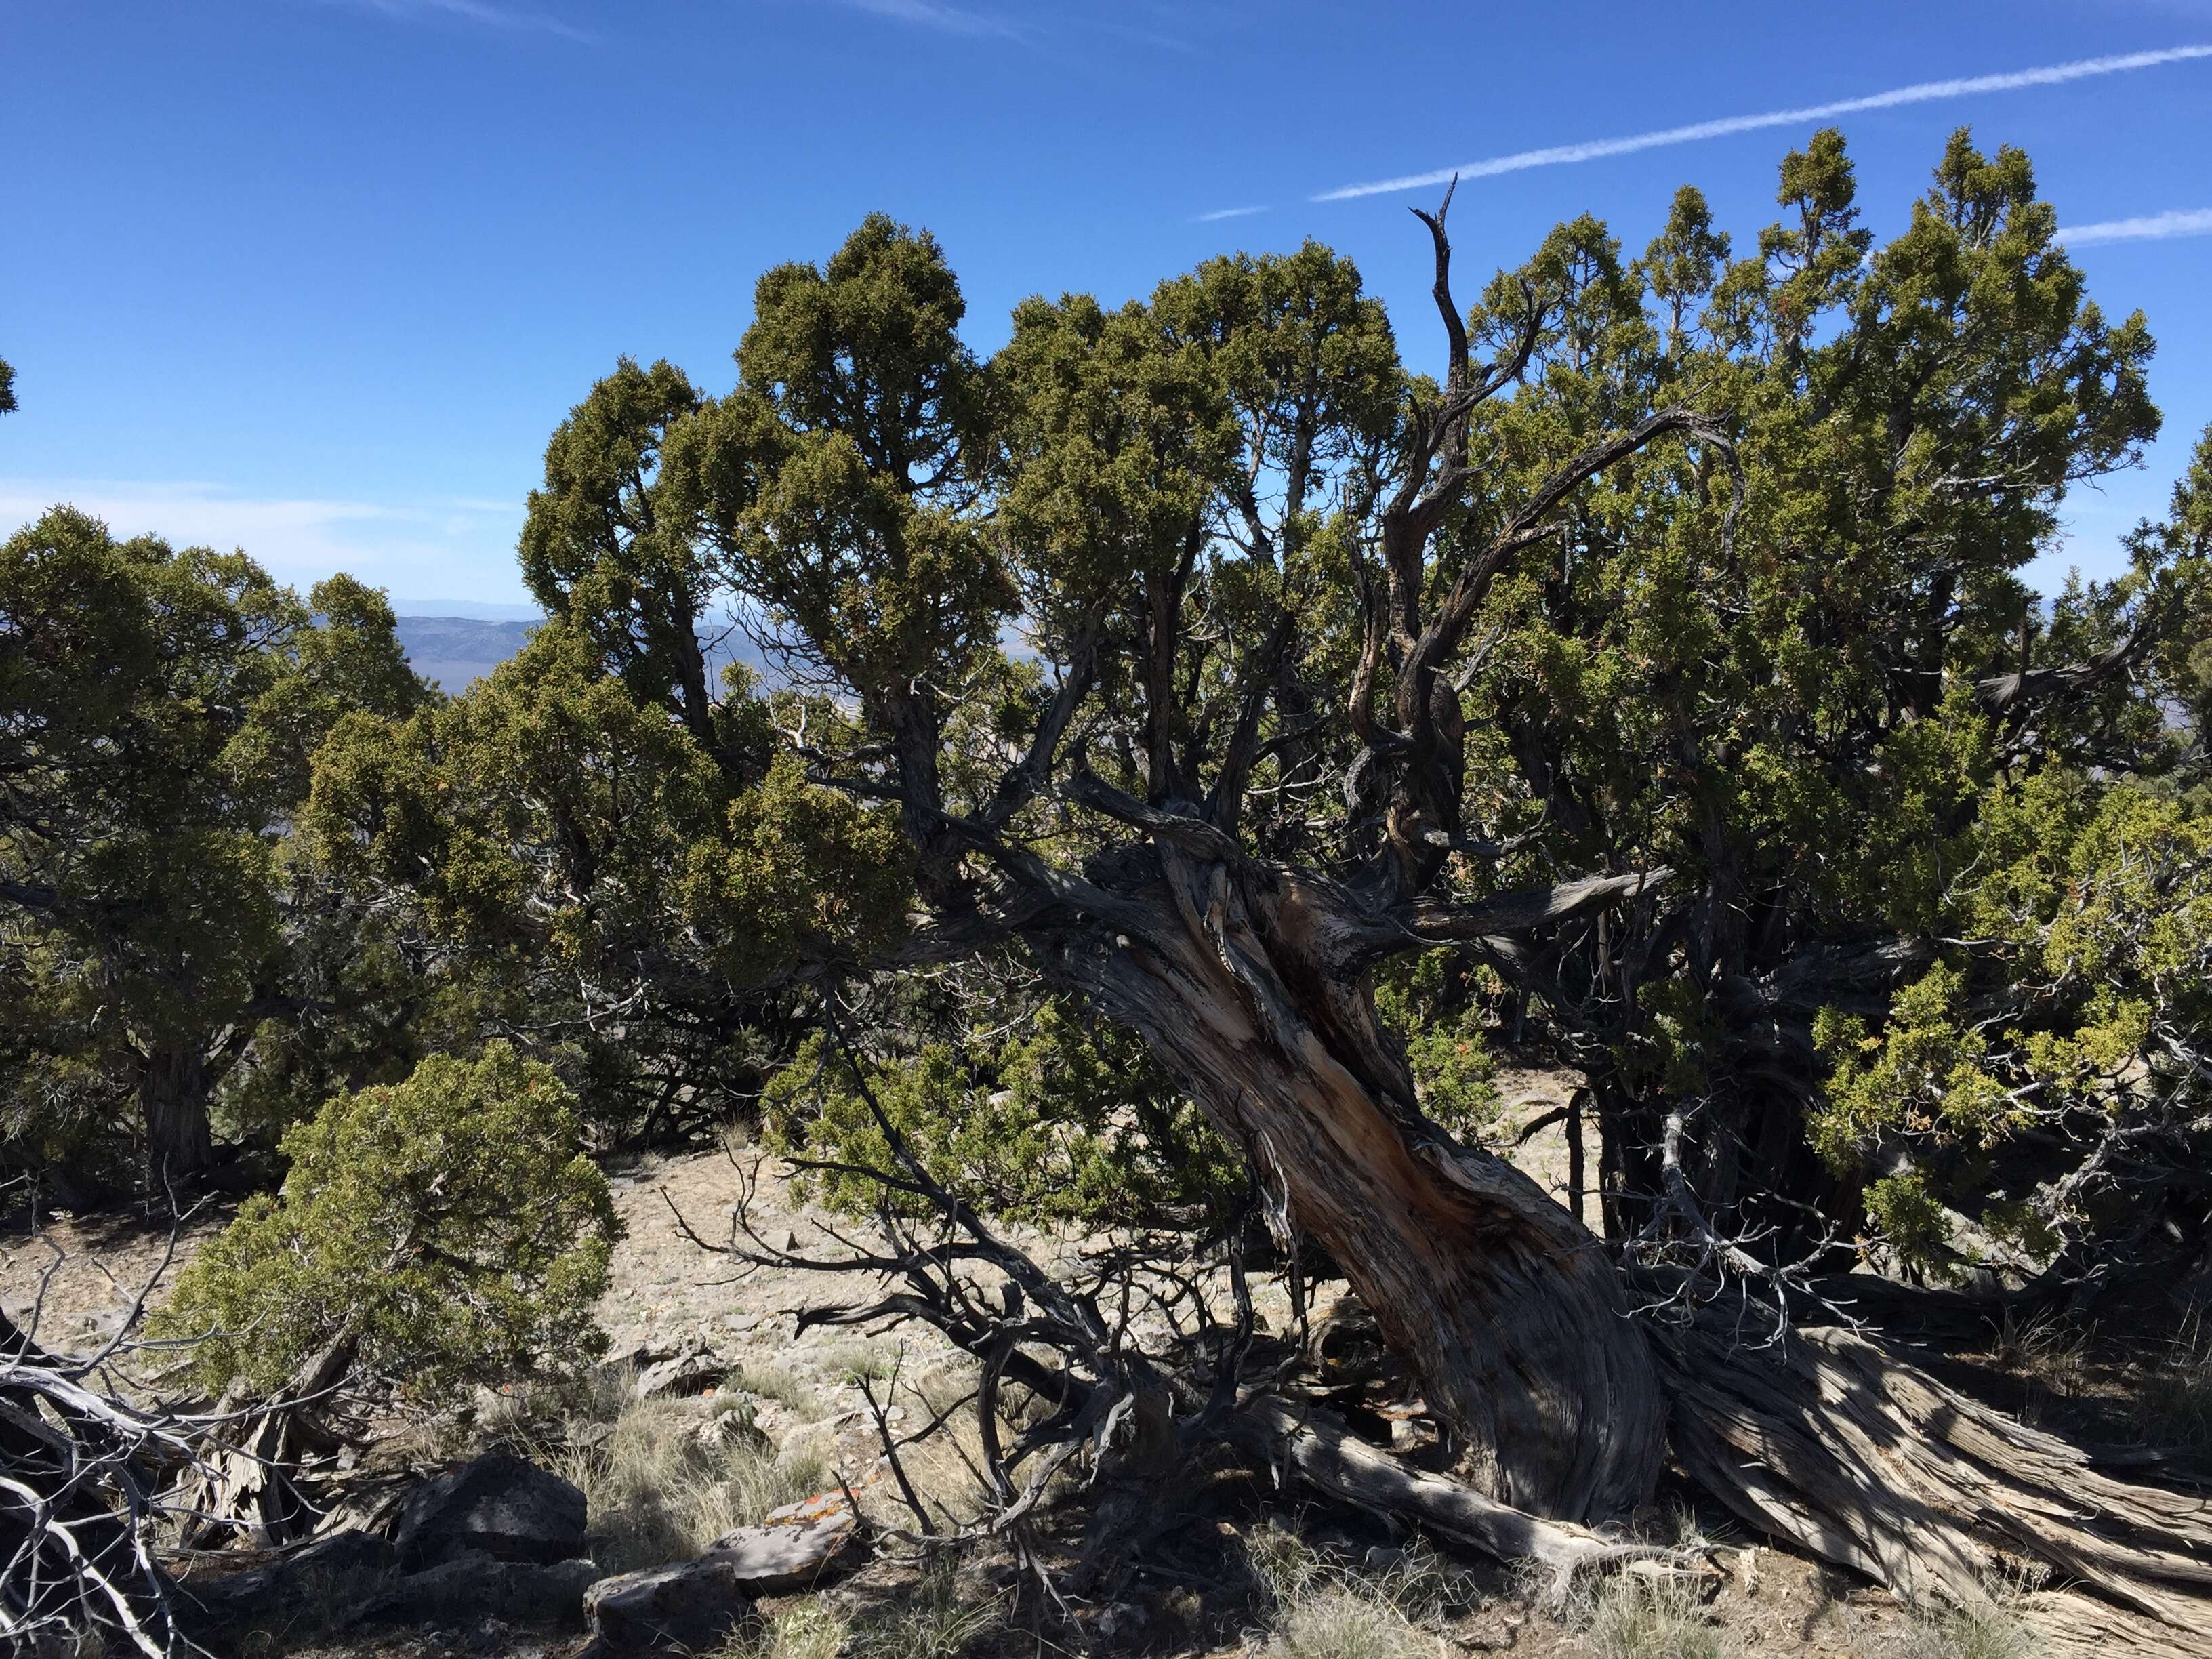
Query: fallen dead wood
point(247, 1480)
point(1319, 1449)
point(1823, 1439)
point(79, 1467)
point(1844, 1449)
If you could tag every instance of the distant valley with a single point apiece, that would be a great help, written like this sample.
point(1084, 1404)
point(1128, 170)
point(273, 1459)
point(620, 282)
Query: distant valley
point(455, 652)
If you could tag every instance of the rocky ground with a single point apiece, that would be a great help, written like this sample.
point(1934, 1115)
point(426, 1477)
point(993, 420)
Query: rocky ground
point(1354, 1594)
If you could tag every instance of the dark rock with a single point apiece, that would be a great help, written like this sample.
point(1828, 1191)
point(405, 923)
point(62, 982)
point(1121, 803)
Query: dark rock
point(691, 1370)
point(696, 1603)
point(346, 1564)
point(474, 1585)
point(691, 1606)
point(796, 1548)
point(499, 1505)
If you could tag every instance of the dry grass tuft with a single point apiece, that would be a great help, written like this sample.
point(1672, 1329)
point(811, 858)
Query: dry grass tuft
point(320, 1608)
point(1629, 1616)
point(1318, 1608)
point(1989, 1634)
point(1342, 1623)
point(779, 1385)
point(1991, 1631)
point(2048, 1353)
point(656, 1489)
point(2173, 1408)
point(811, 1630)
point(941, 1615)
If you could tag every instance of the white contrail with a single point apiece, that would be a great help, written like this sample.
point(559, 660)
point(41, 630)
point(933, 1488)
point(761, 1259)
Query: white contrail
point(1224, 213)
point(1926, 92)
point(2193, 221)
point(932, 14)
point(475, 11)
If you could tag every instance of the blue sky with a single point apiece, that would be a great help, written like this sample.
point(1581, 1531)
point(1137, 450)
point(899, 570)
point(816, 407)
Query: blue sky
point(316, 277)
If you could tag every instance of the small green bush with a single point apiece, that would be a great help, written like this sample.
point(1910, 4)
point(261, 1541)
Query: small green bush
point(449, 1223)
point(1066, 1120)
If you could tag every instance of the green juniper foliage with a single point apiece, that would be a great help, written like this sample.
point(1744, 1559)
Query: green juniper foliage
point(586, 867)
point(1803, 678)
point(2074, 1004)
point(1056, 1122)
point(159, 712)
point(1136, 595)
point(449, 1226)
point(1810, 720)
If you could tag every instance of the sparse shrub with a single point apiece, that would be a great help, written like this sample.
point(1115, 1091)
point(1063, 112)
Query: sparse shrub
point(941, 1616)
point(656, 1490)
point(811, 1630)
point(319, 1609)
point(448, 1225)
point(1337, 1623)
point(861, 1362)
point(2049, 1353)
point(2173, 1407)
point(1318, 1608)
point(1629, 1616)
point(1989, 1632)
point(2046, 1349)
point(779, 1385)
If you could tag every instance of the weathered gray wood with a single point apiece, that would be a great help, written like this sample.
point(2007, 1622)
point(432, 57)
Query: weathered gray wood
point(1318, 1450)
point(1509, 1310)
point(1847, 1450)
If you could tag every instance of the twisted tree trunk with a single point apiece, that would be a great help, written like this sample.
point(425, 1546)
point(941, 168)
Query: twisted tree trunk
point(1518, 1325)
point(1507, 1308)
point(1842, 1447)
point(172, 1094)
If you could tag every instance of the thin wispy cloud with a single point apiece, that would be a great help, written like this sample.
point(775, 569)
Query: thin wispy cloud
point(1029, 29)
point(1924, 91)
point(421, 545)
point(934, 15)
point(1219, 214)
point(2156, 227)
point(518, 19)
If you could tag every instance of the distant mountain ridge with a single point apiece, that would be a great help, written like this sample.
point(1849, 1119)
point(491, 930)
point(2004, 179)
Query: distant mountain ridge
point(455, 652)
point(469, 610)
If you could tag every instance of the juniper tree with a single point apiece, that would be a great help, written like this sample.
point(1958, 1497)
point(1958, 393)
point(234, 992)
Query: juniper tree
point(159, 709)
point(1664, 656)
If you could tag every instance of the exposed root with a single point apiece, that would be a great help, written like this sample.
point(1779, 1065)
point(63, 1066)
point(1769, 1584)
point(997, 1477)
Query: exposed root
point(246, 1479)
point(1844, 1449)
point(1320, 1450)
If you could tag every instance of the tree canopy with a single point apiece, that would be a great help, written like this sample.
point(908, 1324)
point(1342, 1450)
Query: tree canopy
point(1185, 733)
point(1662, 669)
point(160, 710)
